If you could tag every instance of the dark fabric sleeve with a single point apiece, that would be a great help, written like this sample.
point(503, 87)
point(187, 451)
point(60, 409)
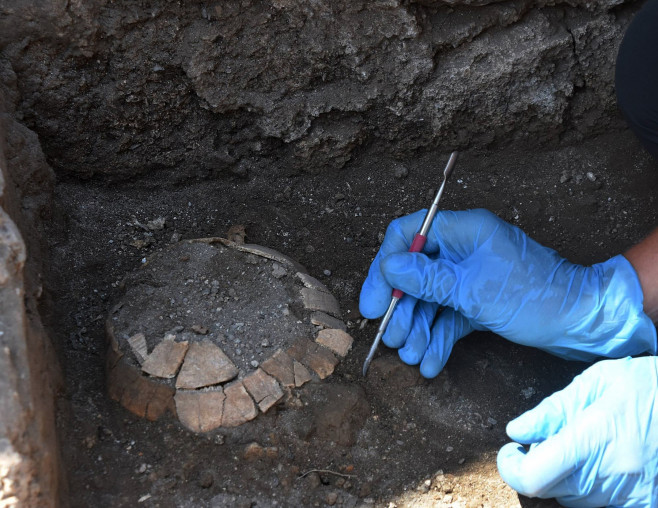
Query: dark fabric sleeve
point(636, 76)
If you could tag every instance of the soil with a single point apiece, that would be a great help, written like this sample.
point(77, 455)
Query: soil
point(390, 439)
point(247, 305)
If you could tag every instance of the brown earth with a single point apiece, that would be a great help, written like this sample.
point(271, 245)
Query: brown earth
point(391, 439)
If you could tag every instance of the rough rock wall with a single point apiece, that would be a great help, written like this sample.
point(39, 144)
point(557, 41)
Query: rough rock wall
point(199, 88)
point(29, 376)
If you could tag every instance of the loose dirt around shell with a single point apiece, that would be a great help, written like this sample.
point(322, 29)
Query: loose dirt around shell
point(391, 439)
point(248, 305)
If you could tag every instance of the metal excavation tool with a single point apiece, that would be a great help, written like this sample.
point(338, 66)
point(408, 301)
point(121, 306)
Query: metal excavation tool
point(416, 246)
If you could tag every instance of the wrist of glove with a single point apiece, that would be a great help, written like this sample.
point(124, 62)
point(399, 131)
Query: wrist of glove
point(490, 275)
point(595, 443)
point(613, 324)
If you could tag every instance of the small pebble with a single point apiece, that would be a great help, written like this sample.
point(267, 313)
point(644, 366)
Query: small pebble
point(400, 171)
point(528, 392)
point(331, 499)
point(449, 449)
point(327, 272)
point(591, 176)
point(206, 480)
point(254, 363)
point(278, 271)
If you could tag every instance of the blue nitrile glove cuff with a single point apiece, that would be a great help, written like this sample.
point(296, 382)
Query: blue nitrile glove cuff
point(617, 325)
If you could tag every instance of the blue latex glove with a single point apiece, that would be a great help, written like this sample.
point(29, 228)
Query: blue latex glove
point(596, 440)
point(491, 275)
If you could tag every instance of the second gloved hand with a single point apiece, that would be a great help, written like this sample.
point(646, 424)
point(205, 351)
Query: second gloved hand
point(491, 275)
point(595, 443)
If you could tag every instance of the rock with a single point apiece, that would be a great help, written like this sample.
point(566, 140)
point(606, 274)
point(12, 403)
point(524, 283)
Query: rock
point(253, 451)
point(400, 171)
point(206, 479)
point(338, 341)
point(201, 330)
point(239, 408)
point(312, 481)
point(166, 358)
point(156, 224)
point(278, 271)
point(263, 388)
point(236, 234)
point(205, 364)
point(331, 498)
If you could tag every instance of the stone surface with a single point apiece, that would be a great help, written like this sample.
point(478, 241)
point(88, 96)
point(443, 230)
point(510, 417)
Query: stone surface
point(319, 300)
point(316, 81)
point(30, 471)
point(327, 321)
point(263, 388)
point(239, 408)
point(205, 364)
point(200, 410)
point(317, 358)
point(337, 340)
point(165, 360)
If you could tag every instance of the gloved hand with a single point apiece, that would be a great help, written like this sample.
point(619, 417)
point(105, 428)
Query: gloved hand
point(491, 275)
point(595, 443)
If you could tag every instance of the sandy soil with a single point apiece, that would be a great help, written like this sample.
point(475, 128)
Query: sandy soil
point(391, 439)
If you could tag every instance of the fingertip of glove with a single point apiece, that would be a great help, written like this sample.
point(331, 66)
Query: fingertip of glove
point(374, 299)
point(410, 356)
point(524, 429)
point(510, 451)
point(509, 461)
point(430, 369)
point(393, 263)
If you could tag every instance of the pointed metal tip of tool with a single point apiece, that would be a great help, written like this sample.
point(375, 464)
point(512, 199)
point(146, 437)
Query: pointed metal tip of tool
point(451, 165)
point(365, 368)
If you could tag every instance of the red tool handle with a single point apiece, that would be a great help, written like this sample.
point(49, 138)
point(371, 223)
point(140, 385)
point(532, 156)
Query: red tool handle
point(416, 246)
